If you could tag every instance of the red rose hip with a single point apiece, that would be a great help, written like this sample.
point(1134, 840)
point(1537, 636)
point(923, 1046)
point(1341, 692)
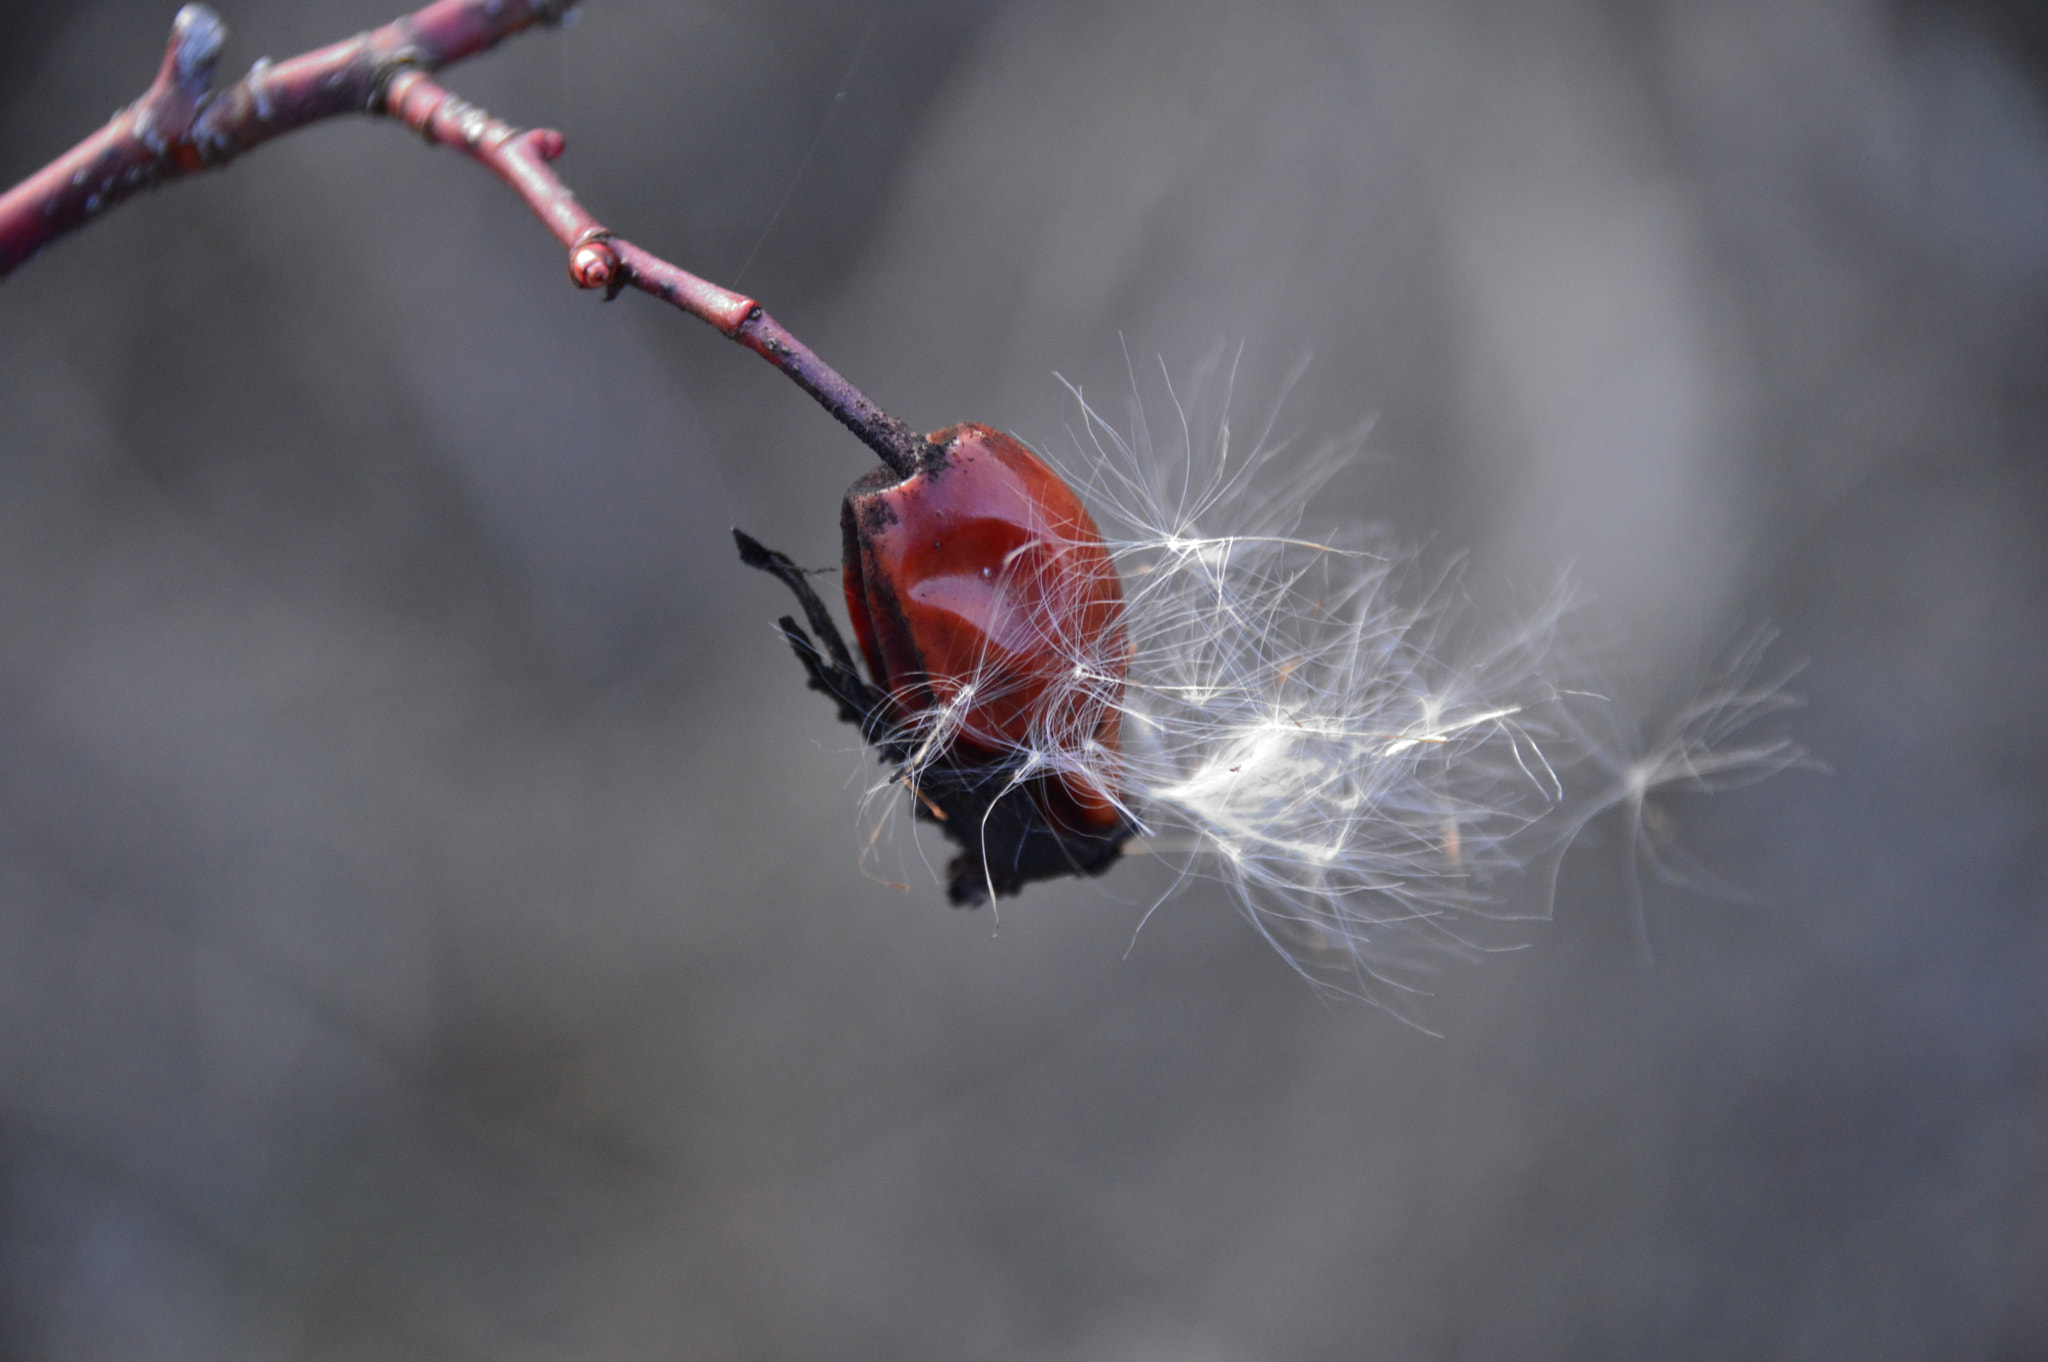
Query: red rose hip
point(991, 621)
point(983, 570)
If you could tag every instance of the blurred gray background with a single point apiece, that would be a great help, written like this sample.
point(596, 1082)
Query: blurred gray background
point(432, 918)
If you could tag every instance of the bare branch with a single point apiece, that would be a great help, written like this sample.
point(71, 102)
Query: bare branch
point(597, 259)
point(180, 125)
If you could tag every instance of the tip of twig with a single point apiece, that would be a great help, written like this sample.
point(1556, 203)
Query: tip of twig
point(197, 37)
point(905, 451)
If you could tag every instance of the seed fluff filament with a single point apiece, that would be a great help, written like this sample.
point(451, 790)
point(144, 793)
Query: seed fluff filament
point(1301, 712)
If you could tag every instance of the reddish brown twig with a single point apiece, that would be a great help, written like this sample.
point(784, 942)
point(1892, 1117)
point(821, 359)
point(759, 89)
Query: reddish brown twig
point(597, 259)
point(180, 125)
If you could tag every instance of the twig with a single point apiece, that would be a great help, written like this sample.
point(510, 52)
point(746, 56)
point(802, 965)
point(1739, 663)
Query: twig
point(598, 259)
point(181, 125)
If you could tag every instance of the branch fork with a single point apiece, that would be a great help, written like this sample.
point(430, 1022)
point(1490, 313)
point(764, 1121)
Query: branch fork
point(181, 125)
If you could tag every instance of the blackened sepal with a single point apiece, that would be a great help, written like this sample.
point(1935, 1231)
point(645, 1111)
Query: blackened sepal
point(1006, 838)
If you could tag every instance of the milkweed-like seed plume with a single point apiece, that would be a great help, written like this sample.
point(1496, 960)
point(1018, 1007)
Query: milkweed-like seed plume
point(1300, 718)
point(1708, 744)
point(1306, 714)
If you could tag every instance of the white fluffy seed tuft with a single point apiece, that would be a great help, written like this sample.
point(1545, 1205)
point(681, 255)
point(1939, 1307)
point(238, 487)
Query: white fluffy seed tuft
point(1305, 717)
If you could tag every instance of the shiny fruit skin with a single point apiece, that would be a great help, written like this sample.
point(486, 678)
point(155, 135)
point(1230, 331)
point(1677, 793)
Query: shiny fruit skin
point(983, 569)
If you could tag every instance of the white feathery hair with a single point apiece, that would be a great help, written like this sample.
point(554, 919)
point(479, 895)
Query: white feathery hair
point(1306, 717)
